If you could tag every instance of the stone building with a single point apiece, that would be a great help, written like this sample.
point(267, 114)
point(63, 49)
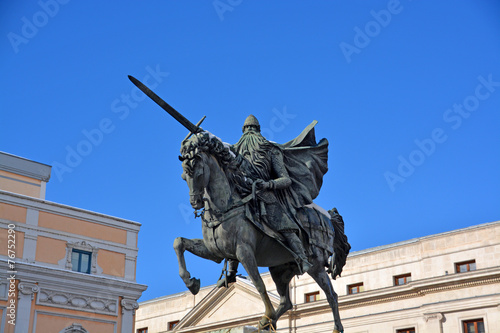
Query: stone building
point(62, 269)
point(443, 283)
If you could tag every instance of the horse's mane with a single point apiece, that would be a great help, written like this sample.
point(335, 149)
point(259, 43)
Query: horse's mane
point(208, 143)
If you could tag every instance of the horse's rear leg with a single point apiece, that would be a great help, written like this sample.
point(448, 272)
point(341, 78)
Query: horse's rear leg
point(246, 257)
point(281, 276)
point(198, 248)
point(319, 275)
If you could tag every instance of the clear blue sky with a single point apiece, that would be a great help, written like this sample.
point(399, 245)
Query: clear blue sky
point(407, 93)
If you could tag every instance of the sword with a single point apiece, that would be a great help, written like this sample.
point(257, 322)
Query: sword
point(192, 128)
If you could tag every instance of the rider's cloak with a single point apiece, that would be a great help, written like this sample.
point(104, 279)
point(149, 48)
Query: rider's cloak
point(306, 162)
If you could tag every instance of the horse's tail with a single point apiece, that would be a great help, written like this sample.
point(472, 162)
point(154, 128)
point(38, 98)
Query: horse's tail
point(341, 246)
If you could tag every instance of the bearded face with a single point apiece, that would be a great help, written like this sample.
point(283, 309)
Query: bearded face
point(249, 142)
point(255, 149)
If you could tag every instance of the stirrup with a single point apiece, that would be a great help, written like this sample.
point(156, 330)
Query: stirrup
point(226, 280)
point(305, 266)
point(301, 263)
point(226, 277)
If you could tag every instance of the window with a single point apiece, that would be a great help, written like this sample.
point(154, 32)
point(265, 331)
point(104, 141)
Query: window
point(172, 324)
point(406, 330)
point(402, 279)
point(354, 288)
point(311, 297)
point(81, 257)
point(80, 261)
point(465, 266)
point(474, 326)
point(142, 330)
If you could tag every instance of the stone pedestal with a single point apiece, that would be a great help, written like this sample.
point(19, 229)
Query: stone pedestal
point(241, 329)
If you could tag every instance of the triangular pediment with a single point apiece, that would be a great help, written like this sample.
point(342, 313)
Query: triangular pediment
point(240, 302)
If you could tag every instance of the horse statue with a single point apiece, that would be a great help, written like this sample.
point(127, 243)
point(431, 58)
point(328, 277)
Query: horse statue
point(230, 231)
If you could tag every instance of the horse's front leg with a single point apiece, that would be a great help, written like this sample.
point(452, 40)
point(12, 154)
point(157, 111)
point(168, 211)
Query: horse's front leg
point(198, 248)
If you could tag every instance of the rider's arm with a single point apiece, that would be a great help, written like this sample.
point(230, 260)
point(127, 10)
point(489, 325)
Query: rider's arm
point(282, 180)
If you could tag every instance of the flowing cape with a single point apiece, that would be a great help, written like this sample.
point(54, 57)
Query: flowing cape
point(306, 162)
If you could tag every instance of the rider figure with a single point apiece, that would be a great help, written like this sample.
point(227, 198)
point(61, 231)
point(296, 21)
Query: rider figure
point(262, 162)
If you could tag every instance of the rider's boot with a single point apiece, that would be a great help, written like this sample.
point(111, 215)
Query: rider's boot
point(296, 245)
point(232, 268)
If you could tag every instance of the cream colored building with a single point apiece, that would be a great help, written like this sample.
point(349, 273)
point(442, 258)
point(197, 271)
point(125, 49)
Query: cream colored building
point(62, 269)
point(444, 283)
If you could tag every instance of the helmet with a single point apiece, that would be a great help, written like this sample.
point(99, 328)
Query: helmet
point(251, 121)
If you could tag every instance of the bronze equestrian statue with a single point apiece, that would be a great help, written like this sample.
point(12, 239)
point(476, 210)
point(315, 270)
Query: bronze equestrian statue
point(256, 202)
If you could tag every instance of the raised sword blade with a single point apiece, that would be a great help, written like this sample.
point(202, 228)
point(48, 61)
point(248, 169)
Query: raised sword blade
point(165, 106)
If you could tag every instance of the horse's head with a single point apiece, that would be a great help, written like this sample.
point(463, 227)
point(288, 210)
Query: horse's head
point(196, 173)
point(204, 156)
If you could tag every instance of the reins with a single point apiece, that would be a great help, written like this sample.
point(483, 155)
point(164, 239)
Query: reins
point(221, 216)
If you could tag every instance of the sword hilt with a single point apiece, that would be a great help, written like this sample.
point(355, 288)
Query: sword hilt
point(199, 129)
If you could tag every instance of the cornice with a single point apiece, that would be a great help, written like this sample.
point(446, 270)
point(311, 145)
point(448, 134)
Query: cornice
point(67, 236)
point(420, 239)
point(68, 211)
point(190, 321)
point(413, 289)
point(24, 167)
point(74, 282)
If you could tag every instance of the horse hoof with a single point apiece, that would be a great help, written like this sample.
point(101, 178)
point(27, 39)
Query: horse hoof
point(194, 286)
point(265, 325)
point(337, 331)
point(264, 328)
